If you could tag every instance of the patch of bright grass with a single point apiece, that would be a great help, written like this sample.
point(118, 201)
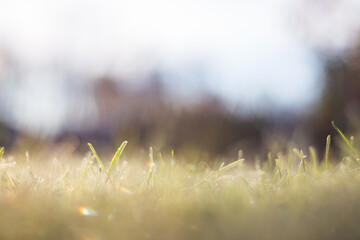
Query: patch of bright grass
point(291, 196)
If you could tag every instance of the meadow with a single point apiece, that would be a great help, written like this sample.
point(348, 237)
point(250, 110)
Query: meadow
point(289, 196)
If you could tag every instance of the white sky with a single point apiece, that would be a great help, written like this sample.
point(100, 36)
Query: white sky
point(246, 49)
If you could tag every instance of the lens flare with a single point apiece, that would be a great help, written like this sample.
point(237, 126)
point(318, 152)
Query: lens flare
point(87, 211)
point(151, 164)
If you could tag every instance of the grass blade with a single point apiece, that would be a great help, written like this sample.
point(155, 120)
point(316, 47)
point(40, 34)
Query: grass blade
point(328, 140)
point(97, 158)
point(314, 159)
point(150, 175)
point(221, 166)
point(151, 156)
point(300, 154)
point(346, 141)
point(92, 170)
point(227, 167)
point(2, 151)
point(162, 165)
point(115, 159)
point(277, 162)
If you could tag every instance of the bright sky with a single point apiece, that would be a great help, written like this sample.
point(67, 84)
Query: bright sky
point(245, 48)
point(249, 52)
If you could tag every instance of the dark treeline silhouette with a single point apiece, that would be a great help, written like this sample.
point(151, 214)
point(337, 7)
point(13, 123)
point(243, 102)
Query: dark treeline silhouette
point(340, 100)
point(146, 116)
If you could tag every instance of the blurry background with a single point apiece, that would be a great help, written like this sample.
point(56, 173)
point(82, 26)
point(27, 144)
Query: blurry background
point(210, 77)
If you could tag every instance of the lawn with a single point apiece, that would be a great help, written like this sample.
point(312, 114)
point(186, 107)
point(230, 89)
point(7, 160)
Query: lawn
point(290, 196)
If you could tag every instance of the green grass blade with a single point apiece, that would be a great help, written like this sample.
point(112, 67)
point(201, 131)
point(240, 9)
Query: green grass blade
point(115, 159)
point(151, 172)
point(277, 162)
point(151, 156)
point(2, 151)
point(97, 158)
point(314, 159)
point(300, 154)
point(276, 176)
point(278, 172)
point(92, 170)
point(328, 140)
point(162, 165)
point(221, 166)
point(227, 167)
point(152, 167)
point(271, 162)
point(346, 140)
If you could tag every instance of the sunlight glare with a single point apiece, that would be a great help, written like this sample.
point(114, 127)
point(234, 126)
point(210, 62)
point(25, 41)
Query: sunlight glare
point(87, 211)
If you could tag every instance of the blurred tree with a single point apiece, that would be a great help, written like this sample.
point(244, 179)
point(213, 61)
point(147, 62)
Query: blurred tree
point(332, 30)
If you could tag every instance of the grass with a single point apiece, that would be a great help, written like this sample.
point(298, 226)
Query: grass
point(291, 196)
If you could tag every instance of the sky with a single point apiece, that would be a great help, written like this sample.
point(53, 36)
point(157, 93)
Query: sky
point(248, 52)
